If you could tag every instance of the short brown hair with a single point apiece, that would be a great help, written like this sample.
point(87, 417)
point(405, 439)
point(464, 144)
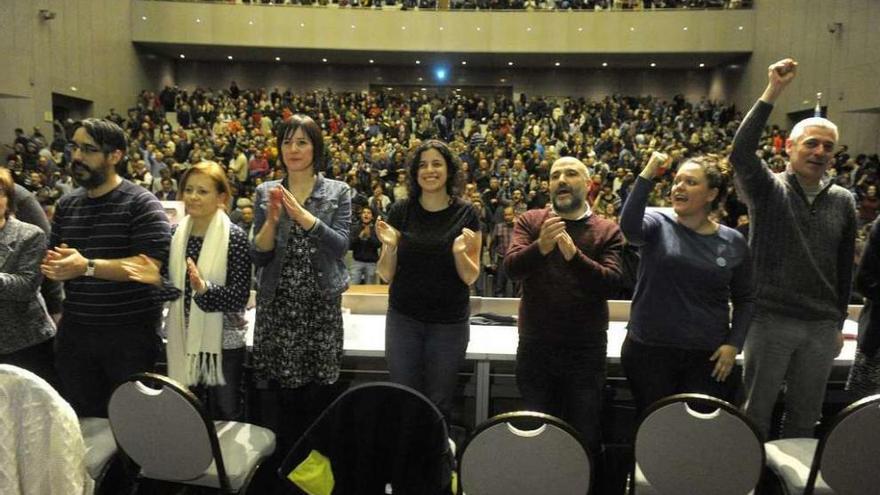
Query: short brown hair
point(7, 187)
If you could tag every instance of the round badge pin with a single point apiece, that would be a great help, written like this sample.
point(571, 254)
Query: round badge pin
point(721, 261)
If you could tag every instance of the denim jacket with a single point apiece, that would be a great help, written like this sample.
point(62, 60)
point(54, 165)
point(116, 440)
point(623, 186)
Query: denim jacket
point(330, 203)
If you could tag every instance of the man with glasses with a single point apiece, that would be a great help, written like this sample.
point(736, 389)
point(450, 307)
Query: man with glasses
point(109, 325)
point(802, 235)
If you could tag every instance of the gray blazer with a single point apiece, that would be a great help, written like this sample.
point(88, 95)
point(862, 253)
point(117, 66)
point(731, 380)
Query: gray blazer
point(23, 318)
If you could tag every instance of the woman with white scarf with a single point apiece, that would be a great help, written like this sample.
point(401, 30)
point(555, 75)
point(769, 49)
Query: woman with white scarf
point(209, 266)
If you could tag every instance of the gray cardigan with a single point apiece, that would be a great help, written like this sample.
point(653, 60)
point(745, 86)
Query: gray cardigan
point(23, 318)
point(803, 252)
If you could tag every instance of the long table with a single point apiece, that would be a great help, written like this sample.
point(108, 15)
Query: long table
point(365, 337)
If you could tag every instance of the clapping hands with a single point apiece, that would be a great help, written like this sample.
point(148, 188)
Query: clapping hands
point(464, 242)
point(388, 235)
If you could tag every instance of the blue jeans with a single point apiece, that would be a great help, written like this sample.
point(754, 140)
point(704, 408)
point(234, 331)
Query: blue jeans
point(426, 356)
point(565, 382)
point(800, 353)
point(362, 272)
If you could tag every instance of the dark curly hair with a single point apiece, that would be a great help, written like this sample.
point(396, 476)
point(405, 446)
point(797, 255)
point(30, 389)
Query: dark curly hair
point(454, 175)
point(717, 170)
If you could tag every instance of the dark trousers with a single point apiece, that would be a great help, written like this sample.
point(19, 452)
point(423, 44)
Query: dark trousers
point(225, 402)
point(93, 360)
point(655, 372)
point(290, 411)
point(565, 382)
point(39, 359)
point(426, 356)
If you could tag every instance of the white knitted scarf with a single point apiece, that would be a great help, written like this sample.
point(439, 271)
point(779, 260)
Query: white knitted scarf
point(195, 351)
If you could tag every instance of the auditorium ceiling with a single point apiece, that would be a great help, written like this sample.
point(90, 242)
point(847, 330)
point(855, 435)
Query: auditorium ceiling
point(473, 60)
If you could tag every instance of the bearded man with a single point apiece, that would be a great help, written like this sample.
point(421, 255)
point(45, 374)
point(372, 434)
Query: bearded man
point(109, 325)
point(569, 262)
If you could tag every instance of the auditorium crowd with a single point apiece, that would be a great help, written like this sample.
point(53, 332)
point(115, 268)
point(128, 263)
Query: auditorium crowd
point(431, 192)
point(507, 147)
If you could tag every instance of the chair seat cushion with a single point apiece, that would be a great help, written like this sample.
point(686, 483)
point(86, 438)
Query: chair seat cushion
point(645, 488)
point(790, 459)
point(99, 442)
point(642, 485)
point(243, 446)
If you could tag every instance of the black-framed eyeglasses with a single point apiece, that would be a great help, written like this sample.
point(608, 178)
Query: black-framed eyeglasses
point(85, 148)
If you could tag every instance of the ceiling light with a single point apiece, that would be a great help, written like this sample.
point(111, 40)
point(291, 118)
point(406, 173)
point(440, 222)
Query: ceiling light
point(278, 59)
point(441, 28)
point(418, 62)
point(251, 22)
point(302, 24)
point(198, 20)
point(503, 80)
point(464, 62)
point(580, 29)
point(182, 56)
point(403, 28)
point(478, 28)
point(143, 18)
point(702, 65)
point(740, 28)
point(324, 60)
point(372, 61)
point(353, 26)
point(420, 79)
point(684, 28)
point(653, 64)
point(632, 28)
point(528, 29)
point(423, 89)
point(229, 57)
point(604, 64)
point(557, 64)
point(510, 64)
point(73, 88)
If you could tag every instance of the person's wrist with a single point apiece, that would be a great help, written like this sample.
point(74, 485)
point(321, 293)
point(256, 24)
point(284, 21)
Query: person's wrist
point(88, 268)
point(771, 93)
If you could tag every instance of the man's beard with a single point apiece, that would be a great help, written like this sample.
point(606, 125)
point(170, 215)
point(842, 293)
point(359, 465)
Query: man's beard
point(92, 179)
point(574, 204)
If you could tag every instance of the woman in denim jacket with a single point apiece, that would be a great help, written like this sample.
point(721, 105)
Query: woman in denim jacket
point(302, 224)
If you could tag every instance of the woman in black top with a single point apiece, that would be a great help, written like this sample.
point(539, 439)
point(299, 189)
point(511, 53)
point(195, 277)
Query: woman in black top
point(430, 255)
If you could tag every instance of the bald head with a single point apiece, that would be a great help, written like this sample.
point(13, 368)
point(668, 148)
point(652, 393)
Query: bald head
point(570, 162)
point(568, 187)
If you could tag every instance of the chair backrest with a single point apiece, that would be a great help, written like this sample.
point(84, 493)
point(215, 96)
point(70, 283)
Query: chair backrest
point(847, 456)
point(379, 433)
point(163, 428)
point(681, 450)
point(36, 424)
point(525, 453)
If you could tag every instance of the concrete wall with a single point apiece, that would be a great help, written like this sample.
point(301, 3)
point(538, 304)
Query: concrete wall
point(844, 66)
point(87, 46)
point(502, 32)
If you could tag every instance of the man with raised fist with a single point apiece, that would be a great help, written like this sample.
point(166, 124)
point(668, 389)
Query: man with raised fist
point(802, 236)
